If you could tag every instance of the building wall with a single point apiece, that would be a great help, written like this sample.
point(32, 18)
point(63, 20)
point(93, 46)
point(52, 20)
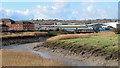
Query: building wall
point(28, 26)
point(22, 26)
point(118, 25)
point(113, 24)
point(6, 23)
point(37, 26)
point(16, 27)
point(5, 28)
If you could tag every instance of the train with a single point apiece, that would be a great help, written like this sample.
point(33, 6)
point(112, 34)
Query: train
point(69, 28)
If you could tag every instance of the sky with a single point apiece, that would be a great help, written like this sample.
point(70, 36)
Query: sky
point(59, 10)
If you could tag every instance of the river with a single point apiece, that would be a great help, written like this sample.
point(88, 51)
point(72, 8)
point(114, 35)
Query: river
point(29, 46)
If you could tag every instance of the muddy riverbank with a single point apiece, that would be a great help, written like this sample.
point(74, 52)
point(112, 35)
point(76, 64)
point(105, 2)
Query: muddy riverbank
point(72, 53)
point(80, 56)
point(27, 43)
point(28, 47)
point(22, 40)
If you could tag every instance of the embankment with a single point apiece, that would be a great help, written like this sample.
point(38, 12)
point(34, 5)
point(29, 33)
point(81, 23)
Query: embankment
point(8, 38)
point(99, 50)
point(90, 55)
point(22, 38)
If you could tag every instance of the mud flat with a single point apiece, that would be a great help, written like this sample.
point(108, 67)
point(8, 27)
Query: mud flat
point(22, 40)
point(29, 46)
point(94, 55)
point(72, 49)
point(24, 37)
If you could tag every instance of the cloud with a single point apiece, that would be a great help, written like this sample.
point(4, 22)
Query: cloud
point(61, 10)
point(57, 10)
point(23, 12)
point(93, 12)
point(75, 12)
point(92, 0)
point(15, 14)
point(60, 5)
point(38, 6)
point(90, 8)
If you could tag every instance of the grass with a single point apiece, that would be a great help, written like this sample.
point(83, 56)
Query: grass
point(103, 44)
point(98, 41)
point(68, 36)
point(8, 34)
point(35, 33)
point(24, 58)
point(107, 41)
point(74, 36)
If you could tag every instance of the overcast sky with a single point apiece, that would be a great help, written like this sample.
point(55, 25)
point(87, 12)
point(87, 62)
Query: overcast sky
point(59, 10)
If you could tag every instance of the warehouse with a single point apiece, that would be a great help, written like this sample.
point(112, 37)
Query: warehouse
point(113, 24)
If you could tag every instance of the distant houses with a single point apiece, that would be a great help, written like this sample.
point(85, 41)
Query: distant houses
point(58, 23)
point(37, 26)
point(5, 24)
point(8, 24)
point(4, 27)
point(22, 26)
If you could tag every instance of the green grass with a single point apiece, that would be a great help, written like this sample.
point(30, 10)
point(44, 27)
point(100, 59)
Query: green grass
point(60, 41)
point(104, 42)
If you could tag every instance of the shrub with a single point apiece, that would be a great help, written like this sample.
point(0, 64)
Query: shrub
point(116, 30)
point(54, 33)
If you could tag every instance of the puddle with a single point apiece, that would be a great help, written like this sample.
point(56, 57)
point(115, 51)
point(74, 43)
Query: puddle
point(27, 48)
point(42, 54)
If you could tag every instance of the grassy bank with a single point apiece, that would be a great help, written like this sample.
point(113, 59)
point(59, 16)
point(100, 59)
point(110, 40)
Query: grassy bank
point(82, 35)
point(109, 43)
point(35, 33)
point(100, 44)
point(23, 58)
point(21, 34)
point(68, 36)
point(26, 37)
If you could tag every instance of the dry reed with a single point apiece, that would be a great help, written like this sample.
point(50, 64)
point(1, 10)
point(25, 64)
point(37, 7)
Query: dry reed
point(74, 36)
point(7, 34)
point(68, 36)
point(24, 58)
